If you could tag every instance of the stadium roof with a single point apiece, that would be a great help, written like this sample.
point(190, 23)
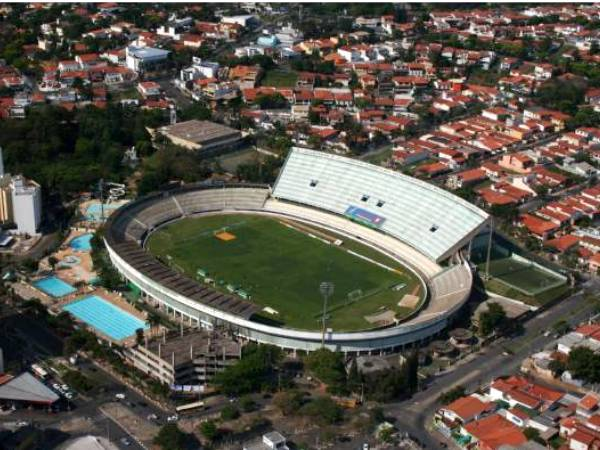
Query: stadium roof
point(27, 388)
point(431, 220)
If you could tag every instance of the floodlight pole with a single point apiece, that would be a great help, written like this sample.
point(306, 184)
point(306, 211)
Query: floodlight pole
point(326, 289)
point(101, 188)
point(489, 249)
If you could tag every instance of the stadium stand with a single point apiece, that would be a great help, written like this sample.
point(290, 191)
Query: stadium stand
point(218, 199)
point(431, 220)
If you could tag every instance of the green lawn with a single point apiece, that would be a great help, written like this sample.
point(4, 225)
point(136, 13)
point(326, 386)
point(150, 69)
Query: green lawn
point(282, 268)
point(279, 78)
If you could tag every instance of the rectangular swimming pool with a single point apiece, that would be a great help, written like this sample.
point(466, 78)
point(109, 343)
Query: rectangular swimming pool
point(54, 286)
point(93, 213)
point(105, 317)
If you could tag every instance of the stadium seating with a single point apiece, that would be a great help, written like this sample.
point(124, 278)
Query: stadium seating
point(431, 220)
point(159, 212)
point(195, 202)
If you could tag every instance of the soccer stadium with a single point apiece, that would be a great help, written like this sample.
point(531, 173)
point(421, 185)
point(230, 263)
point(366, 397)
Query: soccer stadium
point(337, 252)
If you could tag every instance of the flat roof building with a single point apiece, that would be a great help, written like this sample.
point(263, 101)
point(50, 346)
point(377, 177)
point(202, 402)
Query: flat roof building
point(26, 205)
point(141, 59)
point(207, 137)
point(273, 440)
point(185, 360)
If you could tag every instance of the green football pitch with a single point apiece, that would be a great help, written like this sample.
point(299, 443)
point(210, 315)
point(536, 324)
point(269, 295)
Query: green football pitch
point(522, 275)
point(282, 268)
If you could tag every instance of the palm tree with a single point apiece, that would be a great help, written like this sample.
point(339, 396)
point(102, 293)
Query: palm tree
point(53, 261)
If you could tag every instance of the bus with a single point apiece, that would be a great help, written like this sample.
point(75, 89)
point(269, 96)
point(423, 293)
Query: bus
point(188, 407)
point(39, 372)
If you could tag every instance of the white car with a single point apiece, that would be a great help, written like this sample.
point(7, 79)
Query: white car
point(120, 396)
point(69, 396)
point(173, 418)
point(56, 386)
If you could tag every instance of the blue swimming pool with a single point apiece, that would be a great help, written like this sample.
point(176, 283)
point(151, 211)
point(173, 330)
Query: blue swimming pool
point(54, 286)
point(105, 317)
point(82, 243)
point(93, 213)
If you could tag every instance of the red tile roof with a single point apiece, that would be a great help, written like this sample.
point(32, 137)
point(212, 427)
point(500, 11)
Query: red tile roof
point(495, 431)
point(467, 407)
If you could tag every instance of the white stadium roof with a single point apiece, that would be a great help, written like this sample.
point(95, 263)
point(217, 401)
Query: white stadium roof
point(428, 218)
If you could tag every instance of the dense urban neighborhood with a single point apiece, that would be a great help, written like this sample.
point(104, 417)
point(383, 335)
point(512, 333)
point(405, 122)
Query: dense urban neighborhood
point(299, 226)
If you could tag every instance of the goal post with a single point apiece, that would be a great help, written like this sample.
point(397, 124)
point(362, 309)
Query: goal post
point(354, 296)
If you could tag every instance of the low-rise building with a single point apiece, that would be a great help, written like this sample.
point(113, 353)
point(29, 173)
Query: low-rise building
point(185, 360)
point(270, 441)
point(141, 59)
point(209, 138)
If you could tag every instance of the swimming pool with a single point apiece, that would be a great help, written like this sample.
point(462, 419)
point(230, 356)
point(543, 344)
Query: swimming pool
point(54, 286)
point(82, 243)
point(105, 317)
point(93, 213)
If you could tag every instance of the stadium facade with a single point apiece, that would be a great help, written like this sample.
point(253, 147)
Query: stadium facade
point(423, 227)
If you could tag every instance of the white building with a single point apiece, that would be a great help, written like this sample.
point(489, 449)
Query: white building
point(243, 20)
point(27, 205)
point(142, 58)
point(199, 69)
point(270, 441)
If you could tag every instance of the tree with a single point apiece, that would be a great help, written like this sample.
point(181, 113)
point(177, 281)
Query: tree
point(562, 95)
point(253, 372)
point(533, 435)
point(412, 370)
point(170, 437)
point(315, 141)
point(584, 364)
point(53, 261)
point(209, 430)
point(561, 327)
point(492, 319)
point(557, 367)
point(324, 410)
point(288, 402)
point(354, 377)
point(453, 394)
point(247, 404)
point(508, 212)
point(230, 412)
point(328, 367)
point(139, 336)
point(271, 101)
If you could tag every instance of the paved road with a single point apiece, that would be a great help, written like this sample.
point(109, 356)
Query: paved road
point(413, 415)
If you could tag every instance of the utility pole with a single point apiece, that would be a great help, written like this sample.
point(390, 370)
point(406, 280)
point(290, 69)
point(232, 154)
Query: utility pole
point(489, 249)
point(101, 188)
point(326, 289)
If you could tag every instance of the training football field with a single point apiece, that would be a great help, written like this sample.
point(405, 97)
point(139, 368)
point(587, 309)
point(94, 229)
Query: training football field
point(282, 267)
point(522, 275)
